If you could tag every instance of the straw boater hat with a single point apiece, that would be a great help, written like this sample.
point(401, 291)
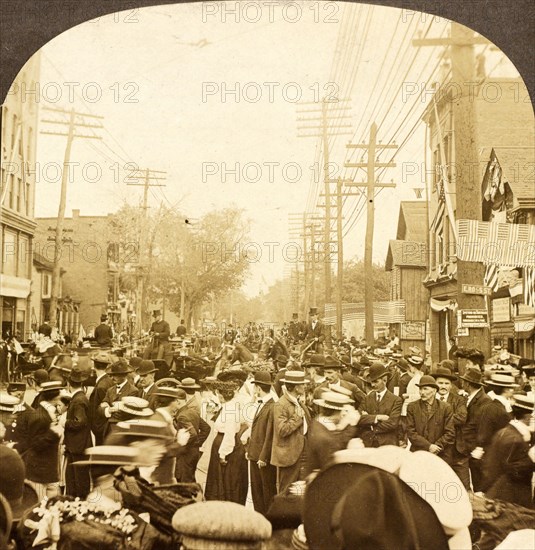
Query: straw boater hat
point(427, 382)
point(415, 360)
point(149, 429)
point(342, 391)
point(444, 372)
point(53, 385)
point(189, 384)
point(473, 376)
point(294, 377)
point(120, 455)
point(101, 359)
point(12, 485)
point(524, 402)
point(119, 367)
point(501, 381)
point(146, 367)
point(8, 402)
point(377, 370)
point(333, 400)
point(136, 406)
point(216, 525)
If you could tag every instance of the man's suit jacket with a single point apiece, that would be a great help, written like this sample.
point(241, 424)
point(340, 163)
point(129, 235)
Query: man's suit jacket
point(112, 396)
point(149, 396)
point(164, 473)
point(494, 417)
point(436, 428)
point(288, 436)
point(38, 445)
point(508, 469)
point(261, 439)
point(469, 436)
point(96, 419)
point(384, 432)
point(460, 414)
point(318, 332)
point(77, 436)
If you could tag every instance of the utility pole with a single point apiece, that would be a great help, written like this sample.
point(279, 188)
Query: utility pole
point(329, 116)
point(371, 165)
point(70, 134)
point(467, 185)
point(145, 250)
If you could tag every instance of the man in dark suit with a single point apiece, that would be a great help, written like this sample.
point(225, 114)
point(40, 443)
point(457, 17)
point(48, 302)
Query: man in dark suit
point(160, 332)
point(77, 437)
point(458, 460)
point(314, 332)
point(118, 372)
point(380, 410)
point(37, 435)
point(181, 330)
point(470, 443)
point(291, 420)
point(263, 474)
point(293, 329)
point(104, 333)
point(103, 382)
point(430, 422)
point(146, 371)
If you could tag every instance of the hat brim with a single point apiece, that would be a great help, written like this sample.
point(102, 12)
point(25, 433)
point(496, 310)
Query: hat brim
point(97, 462)
point(29, 500)
point(450, 377)
point(46, 390)
point(147, 372)
point(295, 382)
point(123, 371)
point(492, 384)
point(428, 386)
point(145, 435)
point(472, 381)
point(133, 412)
point(323, 404)
point(190, 387)
point(262, 383)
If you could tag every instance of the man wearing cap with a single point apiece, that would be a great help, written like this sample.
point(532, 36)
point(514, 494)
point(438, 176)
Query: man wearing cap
point(459, 461)
point(77, 437)
point(103, 383)
point(508, 466)
point(381, 411)
point(430, 421)
point(291, 420)
point(470, 441)
point(263, 474)
point(314, 331)
point(333, 379)
point(146, 371)
point(160, 332)
point(38, 434)
point(104, 333)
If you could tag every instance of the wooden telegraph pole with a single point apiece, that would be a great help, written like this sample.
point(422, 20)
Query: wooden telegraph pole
point(467, 177)
point(371, 185)
point(76, 120)
point(331, 112)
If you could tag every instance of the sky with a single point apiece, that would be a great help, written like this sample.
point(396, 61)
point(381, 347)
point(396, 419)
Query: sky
point(213, 102)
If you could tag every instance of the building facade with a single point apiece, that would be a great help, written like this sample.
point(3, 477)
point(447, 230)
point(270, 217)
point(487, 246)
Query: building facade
point(20, 117)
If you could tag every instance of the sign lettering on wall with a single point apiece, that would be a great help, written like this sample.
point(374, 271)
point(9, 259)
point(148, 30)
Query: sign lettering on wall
point(413, 330)
point(474, 318)
point(501, 310)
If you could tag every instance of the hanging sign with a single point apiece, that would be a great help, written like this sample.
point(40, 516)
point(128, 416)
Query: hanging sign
point(475, 318)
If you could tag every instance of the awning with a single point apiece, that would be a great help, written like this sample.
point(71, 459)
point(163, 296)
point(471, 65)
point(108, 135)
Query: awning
point(441, 305)
point(15, 287)
point(525, 328)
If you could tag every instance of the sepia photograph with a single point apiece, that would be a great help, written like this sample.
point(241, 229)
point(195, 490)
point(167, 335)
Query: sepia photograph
point(268, 282)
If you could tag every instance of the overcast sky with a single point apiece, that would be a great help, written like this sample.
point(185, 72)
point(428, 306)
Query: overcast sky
point(162, 78)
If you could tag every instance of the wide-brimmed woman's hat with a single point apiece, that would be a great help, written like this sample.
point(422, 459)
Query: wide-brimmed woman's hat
point(333, 400)
point(19, 494)
point(119, 367)
point(294, 377)
point(135, 406)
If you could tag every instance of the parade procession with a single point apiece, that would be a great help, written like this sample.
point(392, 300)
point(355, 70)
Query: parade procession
point(265, 342)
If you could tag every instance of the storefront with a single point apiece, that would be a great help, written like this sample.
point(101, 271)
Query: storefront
point(14, 292)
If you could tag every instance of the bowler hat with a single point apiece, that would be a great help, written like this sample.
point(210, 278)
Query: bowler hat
point(119, 367)
point(377, 370)
point(315, 360)
point(135, 361)
point(103, 317)
point(77, 376)
point(444, 372)
point(427, 381)
point(189, 384)
point(12, 475)
point(346, 360)
point(294, 377)
point(40, 376)
point(262, 377)
point(146, 367)
point(473, 376)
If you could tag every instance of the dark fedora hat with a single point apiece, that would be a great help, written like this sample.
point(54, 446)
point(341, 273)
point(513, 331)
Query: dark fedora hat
point(377, 370)
point(332, 363)
point(473, 376)
point(403, 364)
point(146, 367)
point(12, 485)
point(444, 372)
point(346, 360)
point(119, 367)
point(262, 377)
point(282, 359)
point(315, 360)
point(427, 381)
point(77, 376)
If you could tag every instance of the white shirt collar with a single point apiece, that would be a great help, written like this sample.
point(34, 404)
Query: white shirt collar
point(441, 397)
point(99, 377)
point(504, 401)
point(380, 395)
point(121, 386)
point(522, 428)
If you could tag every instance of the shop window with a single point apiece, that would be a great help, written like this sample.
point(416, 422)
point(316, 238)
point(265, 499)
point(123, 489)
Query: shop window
point(9, 253)
point(19, 324)
point(8, 313)
point(24, 256)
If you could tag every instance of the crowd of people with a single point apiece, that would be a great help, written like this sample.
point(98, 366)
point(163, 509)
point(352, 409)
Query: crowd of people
point(267, 427)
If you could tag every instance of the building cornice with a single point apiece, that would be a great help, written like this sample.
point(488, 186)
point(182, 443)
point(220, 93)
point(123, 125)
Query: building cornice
point(17, 221)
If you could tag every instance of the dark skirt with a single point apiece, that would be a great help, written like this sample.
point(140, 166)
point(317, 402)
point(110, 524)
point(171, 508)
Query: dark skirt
point(227, 482)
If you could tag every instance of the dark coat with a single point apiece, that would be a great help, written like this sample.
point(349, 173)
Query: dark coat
point(494, 418)
point(77, 436)
point(104, 334)
point(319, 331)
point(469, 436)
point(150, 396)
point(437, 429)
point(38, 445)
point(381, 433)
point(460, 414)
point(164, 473)
point(261, 440)
point(288, 436)
point(508, 469)
point(112, 396)
point(97, 419)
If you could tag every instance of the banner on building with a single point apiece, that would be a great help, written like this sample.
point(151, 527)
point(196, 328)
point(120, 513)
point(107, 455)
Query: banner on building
point(412, 330)
point(502, 244)
point(383, 312)
point(501, 310)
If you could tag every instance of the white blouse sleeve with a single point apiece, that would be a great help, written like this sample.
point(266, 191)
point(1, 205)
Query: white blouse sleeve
point(228, 424)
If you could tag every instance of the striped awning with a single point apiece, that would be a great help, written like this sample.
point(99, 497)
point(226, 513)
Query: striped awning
point(383, 312)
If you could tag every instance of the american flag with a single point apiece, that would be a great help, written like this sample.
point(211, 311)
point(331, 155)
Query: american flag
point(491, 277)
point(529, 286)
point(438, 223)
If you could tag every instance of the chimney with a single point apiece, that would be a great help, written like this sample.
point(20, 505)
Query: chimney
point(75, 214)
